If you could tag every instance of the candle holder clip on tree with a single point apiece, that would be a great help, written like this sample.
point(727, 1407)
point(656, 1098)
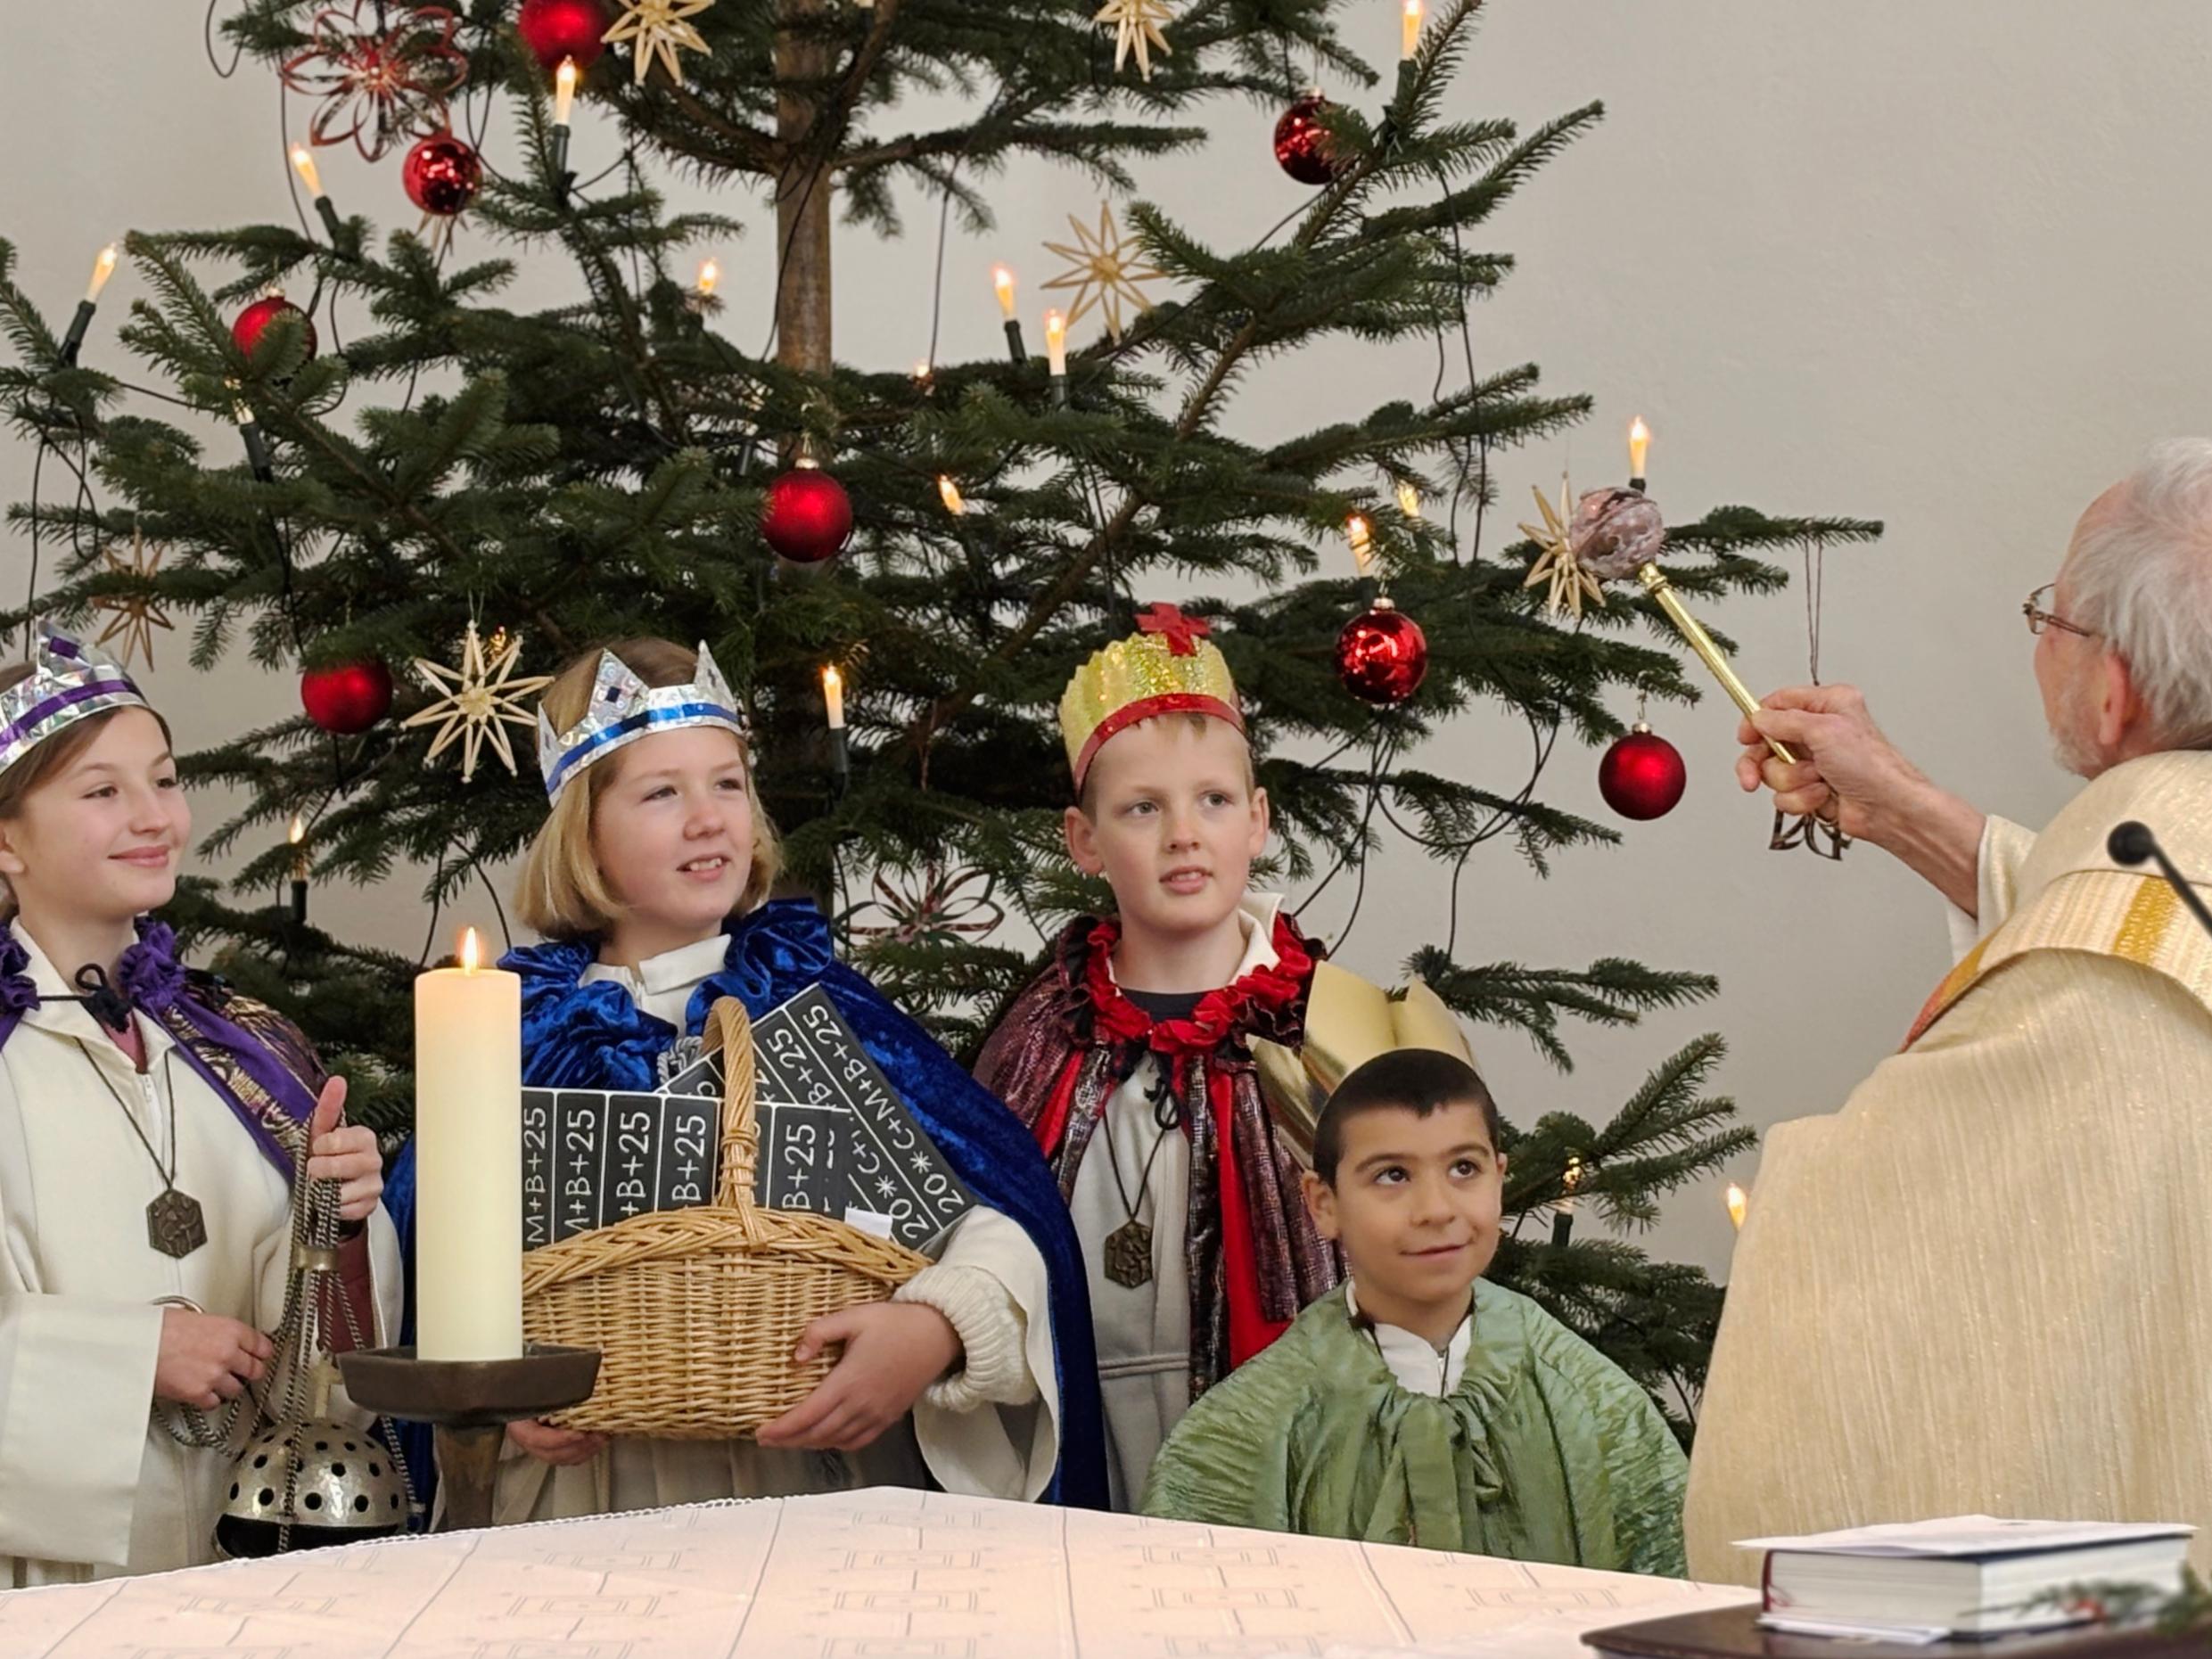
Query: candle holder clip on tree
point(1617, 533)
point(563, 105)
point(73, 341)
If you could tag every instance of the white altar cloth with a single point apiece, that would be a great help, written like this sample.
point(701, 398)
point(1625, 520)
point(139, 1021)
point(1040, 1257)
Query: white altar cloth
point(887, 1573)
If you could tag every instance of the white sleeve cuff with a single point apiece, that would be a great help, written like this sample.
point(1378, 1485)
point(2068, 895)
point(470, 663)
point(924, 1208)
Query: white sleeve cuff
point(991, 1329)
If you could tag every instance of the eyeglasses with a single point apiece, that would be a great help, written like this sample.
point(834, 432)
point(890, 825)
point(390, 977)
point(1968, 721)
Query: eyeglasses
point(2039, 618)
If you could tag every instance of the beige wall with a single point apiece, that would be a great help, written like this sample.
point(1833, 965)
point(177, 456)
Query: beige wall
point(1942, 264)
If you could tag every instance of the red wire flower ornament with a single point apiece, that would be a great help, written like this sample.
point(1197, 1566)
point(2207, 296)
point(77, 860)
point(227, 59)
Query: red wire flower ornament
point(934, 906)
point(380, 79)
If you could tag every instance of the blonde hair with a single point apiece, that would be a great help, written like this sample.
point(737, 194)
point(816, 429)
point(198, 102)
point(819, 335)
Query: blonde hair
point(561, 893)
point(1087, 797)
point(52, 756)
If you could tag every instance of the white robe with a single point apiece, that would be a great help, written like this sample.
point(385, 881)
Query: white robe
point(91, 1484)
point(1143, 1331)
point(989, 1430)
point(1985, 1284)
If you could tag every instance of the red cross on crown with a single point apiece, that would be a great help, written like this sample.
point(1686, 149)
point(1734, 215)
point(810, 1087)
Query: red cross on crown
point(1182, 633)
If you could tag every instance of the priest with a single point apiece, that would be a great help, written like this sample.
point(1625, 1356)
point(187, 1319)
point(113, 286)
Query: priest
point(1986, 1284)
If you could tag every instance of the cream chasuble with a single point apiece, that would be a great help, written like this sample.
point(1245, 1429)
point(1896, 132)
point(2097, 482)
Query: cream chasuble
point(988, 1430)
point(90, 1485)
point(1985, 1284)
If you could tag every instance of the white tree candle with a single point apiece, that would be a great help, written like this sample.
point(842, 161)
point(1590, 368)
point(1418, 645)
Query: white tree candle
point(468, 1168)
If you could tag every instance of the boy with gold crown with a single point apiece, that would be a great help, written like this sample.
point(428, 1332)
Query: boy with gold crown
point(1171, 1058)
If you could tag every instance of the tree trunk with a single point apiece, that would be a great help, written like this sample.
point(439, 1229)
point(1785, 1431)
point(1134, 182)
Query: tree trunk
point(802, 198)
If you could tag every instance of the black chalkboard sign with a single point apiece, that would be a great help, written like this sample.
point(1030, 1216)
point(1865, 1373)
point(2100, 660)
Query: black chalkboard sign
point(835, 1139)
point(592, 1157)
point(813, 1078)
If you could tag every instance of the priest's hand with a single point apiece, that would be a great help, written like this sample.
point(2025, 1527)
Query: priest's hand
point(893, 1350)
point(1842, 758)
point(559, 1446)
point(206, 1359)
point(345, 1153)
point(1848, 770)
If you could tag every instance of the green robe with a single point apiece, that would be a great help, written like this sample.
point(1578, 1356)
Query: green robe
point(1546, 1451)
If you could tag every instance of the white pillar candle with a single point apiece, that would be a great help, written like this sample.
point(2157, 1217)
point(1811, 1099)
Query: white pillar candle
point(468, 1128)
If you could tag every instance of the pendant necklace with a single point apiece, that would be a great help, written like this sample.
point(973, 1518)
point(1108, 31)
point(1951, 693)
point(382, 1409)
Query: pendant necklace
point(1128, 1247)
point(175, 1226)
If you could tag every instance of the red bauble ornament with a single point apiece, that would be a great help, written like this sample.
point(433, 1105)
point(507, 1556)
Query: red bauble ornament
point(347, 698)
point(553, 29)
point(809, 515)
point(1382, 655)
point(442, 174)
point(254, 320)
point(1642, 775)
point(1302, 144)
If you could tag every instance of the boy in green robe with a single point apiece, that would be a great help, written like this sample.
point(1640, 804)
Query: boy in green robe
point(1417, 1403)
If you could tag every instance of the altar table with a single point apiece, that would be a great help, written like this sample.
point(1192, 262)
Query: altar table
point(886, 1574)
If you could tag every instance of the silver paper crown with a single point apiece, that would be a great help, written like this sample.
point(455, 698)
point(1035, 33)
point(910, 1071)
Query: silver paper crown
point(67, 682)
point(623, 709)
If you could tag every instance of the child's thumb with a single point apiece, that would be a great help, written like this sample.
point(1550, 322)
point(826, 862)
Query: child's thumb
point(330, 1106)
point(831, 1327)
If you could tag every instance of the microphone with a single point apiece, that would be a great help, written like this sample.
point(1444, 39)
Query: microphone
point(2132, 844)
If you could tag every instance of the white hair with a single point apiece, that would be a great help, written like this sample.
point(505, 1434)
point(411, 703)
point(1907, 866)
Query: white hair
point(2141, 575)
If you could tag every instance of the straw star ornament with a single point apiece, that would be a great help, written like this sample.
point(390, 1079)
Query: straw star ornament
point(1556, 563)
point(1104, 269)
point(659, 28)
point(482, 698)
point(135, 616)
point(1137, 28)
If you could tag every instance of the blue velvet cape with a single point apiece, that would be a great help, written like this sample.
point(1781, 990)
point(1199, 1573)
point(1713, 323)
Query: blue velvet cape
point(596, 1036)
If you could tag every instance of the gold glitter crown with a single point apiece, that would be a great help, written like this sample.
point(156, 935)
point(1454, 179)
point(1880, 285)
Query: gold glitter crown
point(1167, 667)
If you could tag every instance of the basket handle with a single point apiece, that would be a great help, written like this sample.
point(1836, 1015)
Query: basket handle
point(730, 1028)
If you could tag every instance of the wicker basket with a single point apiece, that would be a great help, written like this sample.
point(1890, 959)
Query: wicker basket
point(697, 1311)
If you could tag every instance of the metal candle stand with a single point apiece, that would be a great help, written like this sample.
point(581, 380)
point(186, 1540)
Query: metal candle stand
point(468, 1403)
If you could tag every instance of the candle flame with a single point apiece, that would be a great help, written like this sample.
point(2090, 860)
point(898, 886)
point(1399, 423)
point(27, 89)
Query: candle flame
point(1002, 280)
point(1363, 540)
point(1637, 433)
point(1409, 500)
point(1572, 1178)
point(1638, 446)
point(709, 274)
point(469, 951)
point(1737, 1204)
point(564, 90)
point(299, 831)
point(922, 371)
point(103, 267)
point(833, 682)
point(304, 165)
point(950, 491)
point(1055, 326)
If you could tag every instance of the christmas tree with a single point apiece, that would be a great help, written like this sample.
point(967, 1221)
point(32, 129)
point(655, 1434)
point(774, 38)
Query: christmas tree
point(493, 490)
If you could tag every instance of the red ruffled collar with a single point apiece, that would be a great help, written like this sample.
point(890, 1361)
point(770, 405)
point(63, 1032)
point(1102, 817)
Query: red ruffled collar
point(1263, 1003)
